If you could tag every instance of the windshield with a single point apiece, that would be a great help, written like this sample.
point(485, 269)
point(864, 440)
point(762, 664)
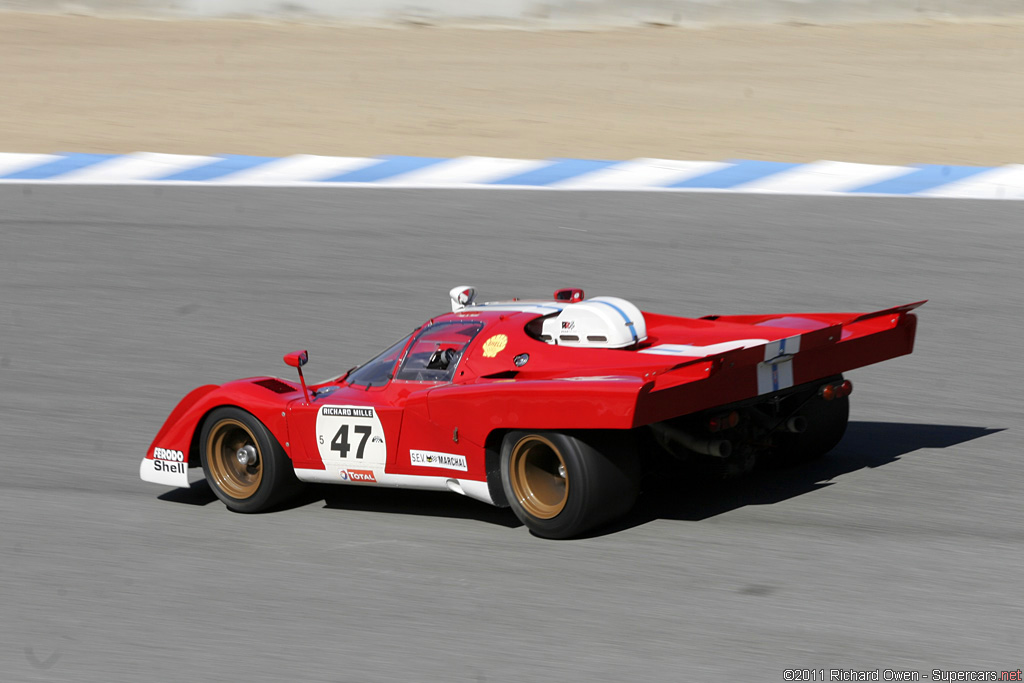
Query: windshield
point(435, 353)
point(377, 372)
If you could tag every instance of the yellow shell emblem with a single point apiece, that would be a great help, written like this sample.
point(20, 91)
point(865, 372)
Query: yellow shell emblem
point(495, 345)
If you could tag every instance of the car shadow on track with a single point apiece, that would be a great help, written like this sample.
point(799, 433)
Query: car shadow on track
point(410, 502)
point(682, 494)
point(386, 500)
point(422, 503)
point(198, 493)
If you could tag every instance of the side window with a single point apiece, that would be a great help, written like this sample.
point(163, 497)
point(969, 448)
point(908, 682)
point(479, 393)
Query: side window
point(435, 352)
point(377, 372)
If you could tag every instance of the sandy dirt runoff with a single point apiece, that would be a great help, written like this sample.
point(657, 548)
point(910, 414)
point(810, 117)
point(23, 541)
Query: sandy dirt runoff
point(938, 93)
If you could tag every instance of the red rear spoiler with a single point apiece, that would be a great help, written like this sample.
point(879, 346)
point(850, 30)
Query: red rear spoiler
point(889, 311)
point(753, 355)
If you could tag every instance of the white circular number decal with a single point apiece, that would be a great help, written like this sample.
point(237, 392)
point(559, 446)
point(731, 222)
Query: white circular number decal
point(351, 435)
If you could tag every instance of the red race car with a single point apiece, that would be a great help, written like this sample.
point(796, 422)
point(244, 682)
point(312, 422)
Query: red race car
point(544, 406)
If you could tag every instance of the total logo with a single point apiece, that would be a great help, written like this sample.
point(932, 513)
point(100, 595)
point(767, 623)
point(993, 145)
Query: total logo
point(358, 475)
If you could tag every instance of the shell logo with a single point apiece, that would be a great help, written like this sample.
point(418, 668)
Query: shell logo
point(495, 345)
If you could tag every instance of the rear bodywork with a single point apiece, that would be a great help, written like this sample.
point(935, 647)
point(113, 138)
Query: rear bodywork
point(514, 375)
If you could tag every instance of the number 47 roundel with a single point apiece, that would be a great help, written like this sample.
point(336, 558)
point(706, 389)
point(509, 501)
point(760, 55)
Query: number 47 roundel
point(350, 434)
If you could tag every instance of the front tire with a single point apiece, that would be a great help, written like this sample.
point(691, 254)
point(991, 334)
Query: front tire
point(267, 479)
point(560, 486)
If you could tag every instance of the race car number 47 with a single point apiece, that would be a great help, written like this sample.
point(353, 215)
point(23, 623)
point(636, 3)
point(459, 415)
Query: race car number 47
point(350, 434)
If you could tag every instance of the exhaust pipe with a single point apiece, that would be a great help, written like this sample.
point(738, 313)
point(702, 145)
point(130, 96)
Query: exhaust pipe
point(796, 425)
point(666, 435)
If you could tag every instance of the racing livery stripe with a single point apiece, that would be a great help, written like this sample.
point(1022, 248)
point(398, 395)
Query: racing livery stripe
point(776, 371)
point(701, 351)
point(629, 323)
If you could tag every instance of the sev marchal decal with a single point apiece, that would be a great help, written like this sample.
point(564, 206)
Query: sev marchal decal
point(448, 461)
point(495, 345)
point(350, 435)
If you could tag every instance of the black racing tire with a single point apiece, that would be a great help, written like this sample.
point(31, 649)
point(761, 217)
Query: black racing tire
point(242, 487)
point(826, 425)
point(560, 485)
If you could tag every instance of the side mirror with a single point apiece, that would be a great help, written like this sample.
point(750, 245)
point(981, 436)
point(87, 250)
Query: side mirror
point(296, 359)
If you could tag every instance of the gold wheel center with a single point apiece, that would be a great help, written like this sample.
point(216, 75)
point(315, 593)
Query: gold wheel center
point(539, 477)
point(235, 478)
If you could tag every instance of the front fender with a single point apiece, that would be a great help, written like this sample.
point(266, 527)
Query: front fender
point(176, 446)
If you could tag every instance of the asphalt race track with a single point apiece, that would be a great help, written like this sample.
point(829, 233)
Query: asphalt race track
point(902, 550)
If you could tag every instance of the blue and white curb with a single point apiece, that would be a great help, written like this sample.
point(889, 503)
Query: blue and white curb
point(816, 178)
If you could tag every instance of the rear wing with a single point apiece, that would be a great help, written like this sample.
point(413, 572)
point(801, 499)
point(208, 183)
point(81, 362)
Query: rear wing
point(740, 374)
point(906, 308)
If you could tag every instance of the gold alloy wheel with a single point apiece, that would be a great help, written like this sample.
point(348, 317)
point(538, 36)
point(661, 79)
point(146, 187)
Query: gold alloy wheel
point(234, 478)
point(538, 476)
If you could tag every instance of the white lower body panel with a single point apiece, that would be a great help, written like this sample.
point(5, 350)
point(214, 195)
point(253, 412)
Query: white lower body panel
point(164, 472)
point(468, 487)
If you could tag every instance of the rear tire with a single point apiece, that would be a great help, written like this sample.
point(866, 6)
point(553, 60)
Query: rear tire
point(560, 486)
point(254, 487)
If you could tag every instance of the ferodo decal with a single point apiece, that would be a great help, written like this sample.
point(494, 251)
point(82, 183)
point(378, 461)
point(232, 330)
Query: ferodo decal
point(495, 345)
point(448, 461)
point(350, 435)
